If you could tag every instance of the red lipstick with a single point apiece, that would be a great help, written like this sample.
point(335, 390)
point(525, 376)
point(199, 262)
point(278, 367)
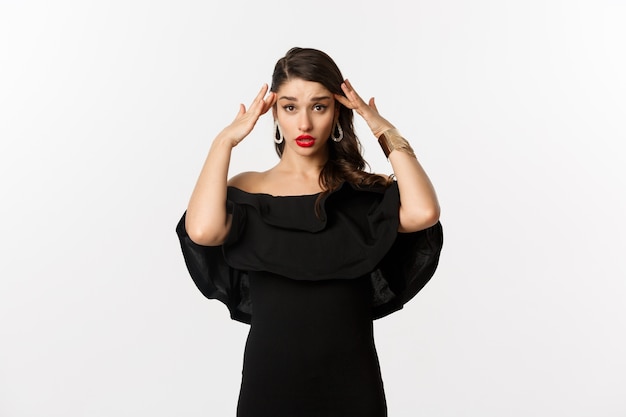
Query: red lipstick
point(305, 141)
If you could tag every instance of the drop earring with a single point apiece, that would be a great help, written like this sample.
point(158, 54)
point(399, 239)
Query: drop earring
point(278, 135)
point(339, 131)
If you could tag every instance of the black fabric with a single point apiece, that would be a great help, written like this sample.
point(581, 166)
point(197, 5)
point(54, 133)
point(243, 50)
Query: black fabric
point(310, 350)
point(355, 234)
point(310, 284)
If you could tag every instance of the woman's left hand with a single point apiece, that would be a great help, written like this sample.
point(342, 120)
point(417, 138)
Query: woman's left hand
point(419, 207)
point(367, 111)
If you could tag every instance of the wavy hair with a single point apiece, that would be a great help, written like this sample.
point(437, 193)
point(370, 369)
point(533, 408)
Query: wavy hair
point(345, 161)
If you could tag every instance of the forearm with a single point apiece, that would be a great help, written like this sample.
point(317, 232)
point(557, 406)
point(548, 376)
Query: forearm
point(419, 207)
point(207, 221)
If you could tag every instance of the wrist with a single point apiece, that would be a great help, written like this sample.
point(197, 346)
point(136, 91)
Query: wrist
point(382, 129)
point(224, 141)
point(391, 140)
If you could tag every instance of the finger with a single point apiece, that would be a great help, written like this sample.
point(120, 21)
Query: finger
point(242, 110)
point(350, 100)
point(262, 92)
point(352, 94)
point(350, 88)
point(345, 87)
point(341, 99)
point(372, 104)
point(268, 102)
point(259, 97)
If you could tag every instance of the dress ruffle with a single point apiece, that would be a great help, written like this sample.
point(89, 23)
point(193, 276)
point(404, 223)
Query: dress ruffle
point(354, 234)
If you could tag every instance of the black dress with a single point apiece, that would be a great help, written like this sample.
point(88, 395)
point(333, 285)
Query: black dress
point(310, 284)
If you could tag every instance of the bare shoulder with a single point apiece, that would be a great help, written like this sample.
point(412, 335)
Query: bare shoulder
point(247, 181)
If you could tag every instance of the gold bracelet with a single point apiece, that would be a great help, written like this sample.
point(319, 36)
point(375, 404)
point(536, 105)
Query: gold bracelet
point(391, 140)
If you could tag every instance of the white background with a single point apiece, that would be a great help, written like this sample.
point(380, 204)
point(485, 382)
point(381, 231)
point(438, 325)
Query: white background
point(515, 108)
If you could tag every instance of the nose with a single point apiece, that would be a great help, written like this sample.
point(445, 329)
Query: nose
point(305, 122)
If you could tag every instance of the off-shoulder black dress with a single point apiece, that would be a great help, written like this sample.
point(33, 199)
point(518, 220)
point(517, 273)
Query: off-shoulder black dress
point(310, 285)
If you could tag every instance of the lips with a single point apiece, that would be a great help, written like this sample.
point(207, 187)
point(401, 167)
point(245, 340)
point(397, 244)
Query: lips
point(305, 141)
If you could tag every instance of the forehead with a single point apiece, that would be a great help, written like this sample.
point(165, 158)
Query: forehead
point(302, 90)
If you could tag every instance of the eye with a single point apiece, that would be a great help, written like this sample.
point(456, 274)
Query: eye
point(289, 107)
point(319, 107)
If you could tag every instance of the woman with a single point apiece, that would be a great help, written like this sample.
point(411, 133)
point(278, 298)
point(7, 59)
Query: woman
point(314, 249)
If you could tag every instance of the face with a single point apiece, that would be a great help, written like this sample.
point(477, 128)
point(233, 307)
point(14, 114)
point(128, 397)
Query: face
point(306, 113)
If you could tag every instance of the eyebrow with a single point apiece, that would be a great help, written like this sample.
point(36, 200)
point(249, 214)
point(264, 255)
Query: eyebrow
point(320, 98)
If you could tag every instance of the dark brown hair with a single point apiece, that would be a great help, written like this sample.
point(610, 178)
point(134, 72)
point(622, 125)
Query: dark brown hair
point(345, 161)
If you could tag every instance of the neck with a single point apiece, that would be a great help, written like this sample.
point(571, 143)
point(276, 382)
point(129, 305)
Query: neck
point(308, 171)
point(303, 166)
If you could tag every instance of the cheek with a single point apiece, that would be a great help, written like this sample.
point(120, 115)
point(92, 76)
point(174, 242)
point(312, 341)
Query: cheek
point(284, 121)
point(328, 123)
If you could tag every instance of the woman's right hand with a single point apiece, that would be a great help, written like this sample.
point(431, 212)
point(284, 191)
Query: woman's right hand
point(246, 119)
point(207, 221)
